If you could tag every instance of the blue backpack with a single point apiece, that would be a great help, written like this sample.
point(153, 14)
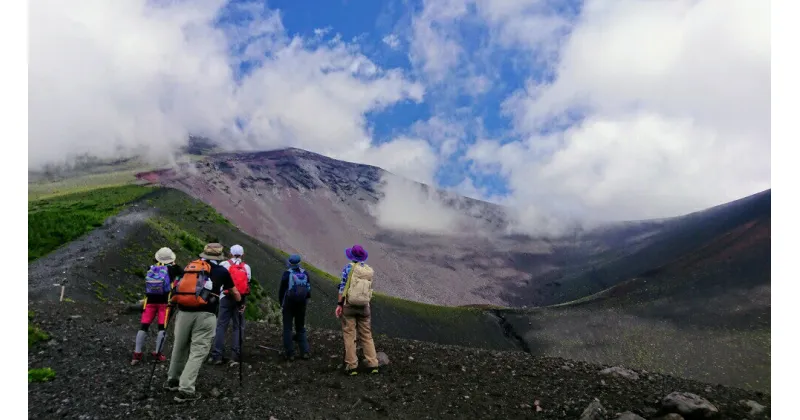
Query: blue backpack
point(299, 287)
point(157, 281)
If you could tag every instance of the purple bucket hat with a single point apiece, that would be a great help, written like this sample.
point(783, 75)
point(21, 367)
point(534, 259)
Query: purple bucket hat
point(356, 253)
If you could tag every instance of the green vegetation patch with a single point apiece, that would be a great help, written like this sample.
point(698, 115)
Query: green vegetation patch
point(56, 221)
point(41, 375)
point(35, 334)
point(41, 190)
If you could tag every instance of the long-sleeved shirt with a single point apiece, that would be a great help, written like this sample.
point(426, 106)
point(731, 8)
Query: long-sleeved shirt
point(345, 273)
point(285, 285)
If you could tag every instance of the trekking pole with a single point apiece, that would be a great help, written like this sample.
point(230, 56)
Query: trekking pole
point(241, 346)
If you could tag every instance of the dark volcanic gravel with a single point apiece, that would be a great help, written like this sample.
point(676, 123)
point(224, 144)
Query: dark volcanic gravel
point(91, 346)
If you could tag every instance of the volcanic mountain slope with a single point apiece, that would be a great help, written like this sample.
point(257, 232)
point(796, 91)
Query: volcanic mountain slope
point(108, 264)
point(705, 315)
point(90, 343)
point(314, 205)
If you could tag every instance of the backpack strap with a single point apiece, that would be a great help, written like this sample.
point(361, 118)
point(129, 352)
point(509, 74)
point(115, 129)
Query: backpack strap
point(349, 276)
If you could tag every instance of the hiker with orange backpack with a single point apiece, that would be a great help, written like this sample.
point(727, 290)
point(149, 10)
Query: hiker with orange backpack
point(196, 296)
point(355, 294)
point(158, 284)
point(229, 310)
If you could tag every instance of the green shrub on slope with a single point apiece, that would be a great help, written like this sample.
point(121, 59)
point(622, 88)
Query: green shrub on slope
point(60, 220)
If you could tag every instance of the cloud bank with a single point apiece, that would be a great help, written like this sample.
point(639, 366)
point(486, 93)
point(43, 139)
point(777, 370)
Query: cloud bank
point(630, 110)
point(587, 110)
point(135, 76)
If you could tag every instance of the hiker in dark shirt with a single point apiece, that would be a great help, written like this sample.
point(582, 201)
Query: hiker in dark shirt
point(294, 293)
point(195, 322)
point(155, 304)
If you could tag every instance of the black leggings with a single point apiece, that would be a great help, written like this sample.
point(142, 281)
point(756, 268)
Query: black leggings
point(146, 327)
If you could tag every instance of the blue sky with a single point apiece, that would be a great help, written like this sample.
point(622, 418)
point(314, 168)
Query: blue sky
point(368, 23)
point(610, 110)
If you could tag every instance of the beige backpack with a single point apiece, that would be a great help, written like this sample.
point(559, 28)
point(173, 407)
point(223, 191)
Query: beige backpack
point(358, 290)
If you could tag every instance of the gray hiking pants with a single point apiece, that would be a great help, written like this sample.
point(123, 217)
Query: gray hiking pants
point(228, 311)
point(194, 332)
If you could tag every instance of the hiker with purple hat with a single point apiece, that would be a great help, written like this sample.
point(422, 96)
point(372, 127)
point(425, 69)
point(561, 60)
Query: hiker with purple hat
point(355, 294)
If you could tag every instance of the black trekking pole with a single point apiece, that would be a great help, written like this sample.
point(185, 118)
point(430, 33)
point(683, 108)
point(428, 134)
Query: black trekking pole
point(159, 347)
point(241, 346)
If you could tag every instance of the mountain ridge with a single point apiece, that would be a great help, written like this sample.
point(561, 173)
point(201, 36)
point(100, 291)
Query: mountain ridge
point(308, 203)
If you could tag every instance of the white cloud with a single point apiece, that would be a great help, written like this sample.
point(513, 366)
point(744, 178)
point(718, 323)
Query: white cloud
point(407, 206)
point(435, 47)
point(413, 159)
point(677, 114)
point(135, 75)
point(392, 40)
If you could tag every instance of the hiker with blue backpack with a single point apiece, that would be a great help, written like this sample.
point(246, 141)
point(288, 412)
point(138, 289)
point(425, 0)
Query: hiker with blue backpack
point(294, 293)
point(158, 285)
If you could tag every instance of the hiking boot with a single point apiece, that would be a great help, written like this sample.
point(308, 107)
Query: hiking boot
point(233, 363)
point(158, 356)
point(212, 361)
point(374, 371)
point(288, 358)
point(306, 356)
point(137, 357)
point(171, 385)
point(184, 396)
point(351, 371)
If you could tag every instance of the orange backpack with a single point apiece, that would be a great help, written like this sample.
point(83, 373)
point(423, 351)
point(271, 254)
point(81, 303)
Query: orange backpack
point(194, 288)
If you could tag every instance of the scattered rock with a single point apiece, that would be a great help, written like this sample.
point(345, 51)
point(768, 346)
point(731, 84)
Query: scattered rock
point(755, 408)
point(689, 405)
point(383, 359)
point(620, 372)
point(629, 416)
point(670, 416)
point(594, 411)
point(215, 393)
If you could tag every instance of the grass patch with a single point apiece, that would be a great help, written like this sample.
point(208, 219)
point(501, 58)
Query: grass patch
point(42, 190)
point(36, 334)
point(56, 221)
point(176, 236)
point(41, 375)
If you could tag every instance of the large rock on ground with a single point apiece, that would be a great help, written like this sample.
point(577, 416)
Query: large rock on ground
point(594, 411)
point(383, 359)
point(620, 372)
point(755, 408)
point(690, 406)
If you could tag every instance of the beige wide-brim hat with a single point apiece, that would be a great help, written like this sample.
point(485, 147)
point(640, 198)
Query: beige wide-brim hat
point(213, 251)
point(165, 256)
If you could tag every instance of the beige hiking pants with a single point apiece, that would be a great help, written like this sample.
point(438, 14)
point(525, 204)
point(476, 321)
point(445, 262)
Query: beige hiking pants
point(357, 320)
point(194, 333)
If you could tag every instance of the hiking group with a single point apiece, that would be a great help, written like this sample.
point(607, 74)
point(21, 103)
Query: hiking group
point(210, 293)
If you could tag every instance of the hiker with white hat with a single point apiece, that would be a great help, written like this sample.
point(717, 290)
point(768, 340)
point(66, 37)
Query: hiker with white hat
point(230, 310)
point(158, 284)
